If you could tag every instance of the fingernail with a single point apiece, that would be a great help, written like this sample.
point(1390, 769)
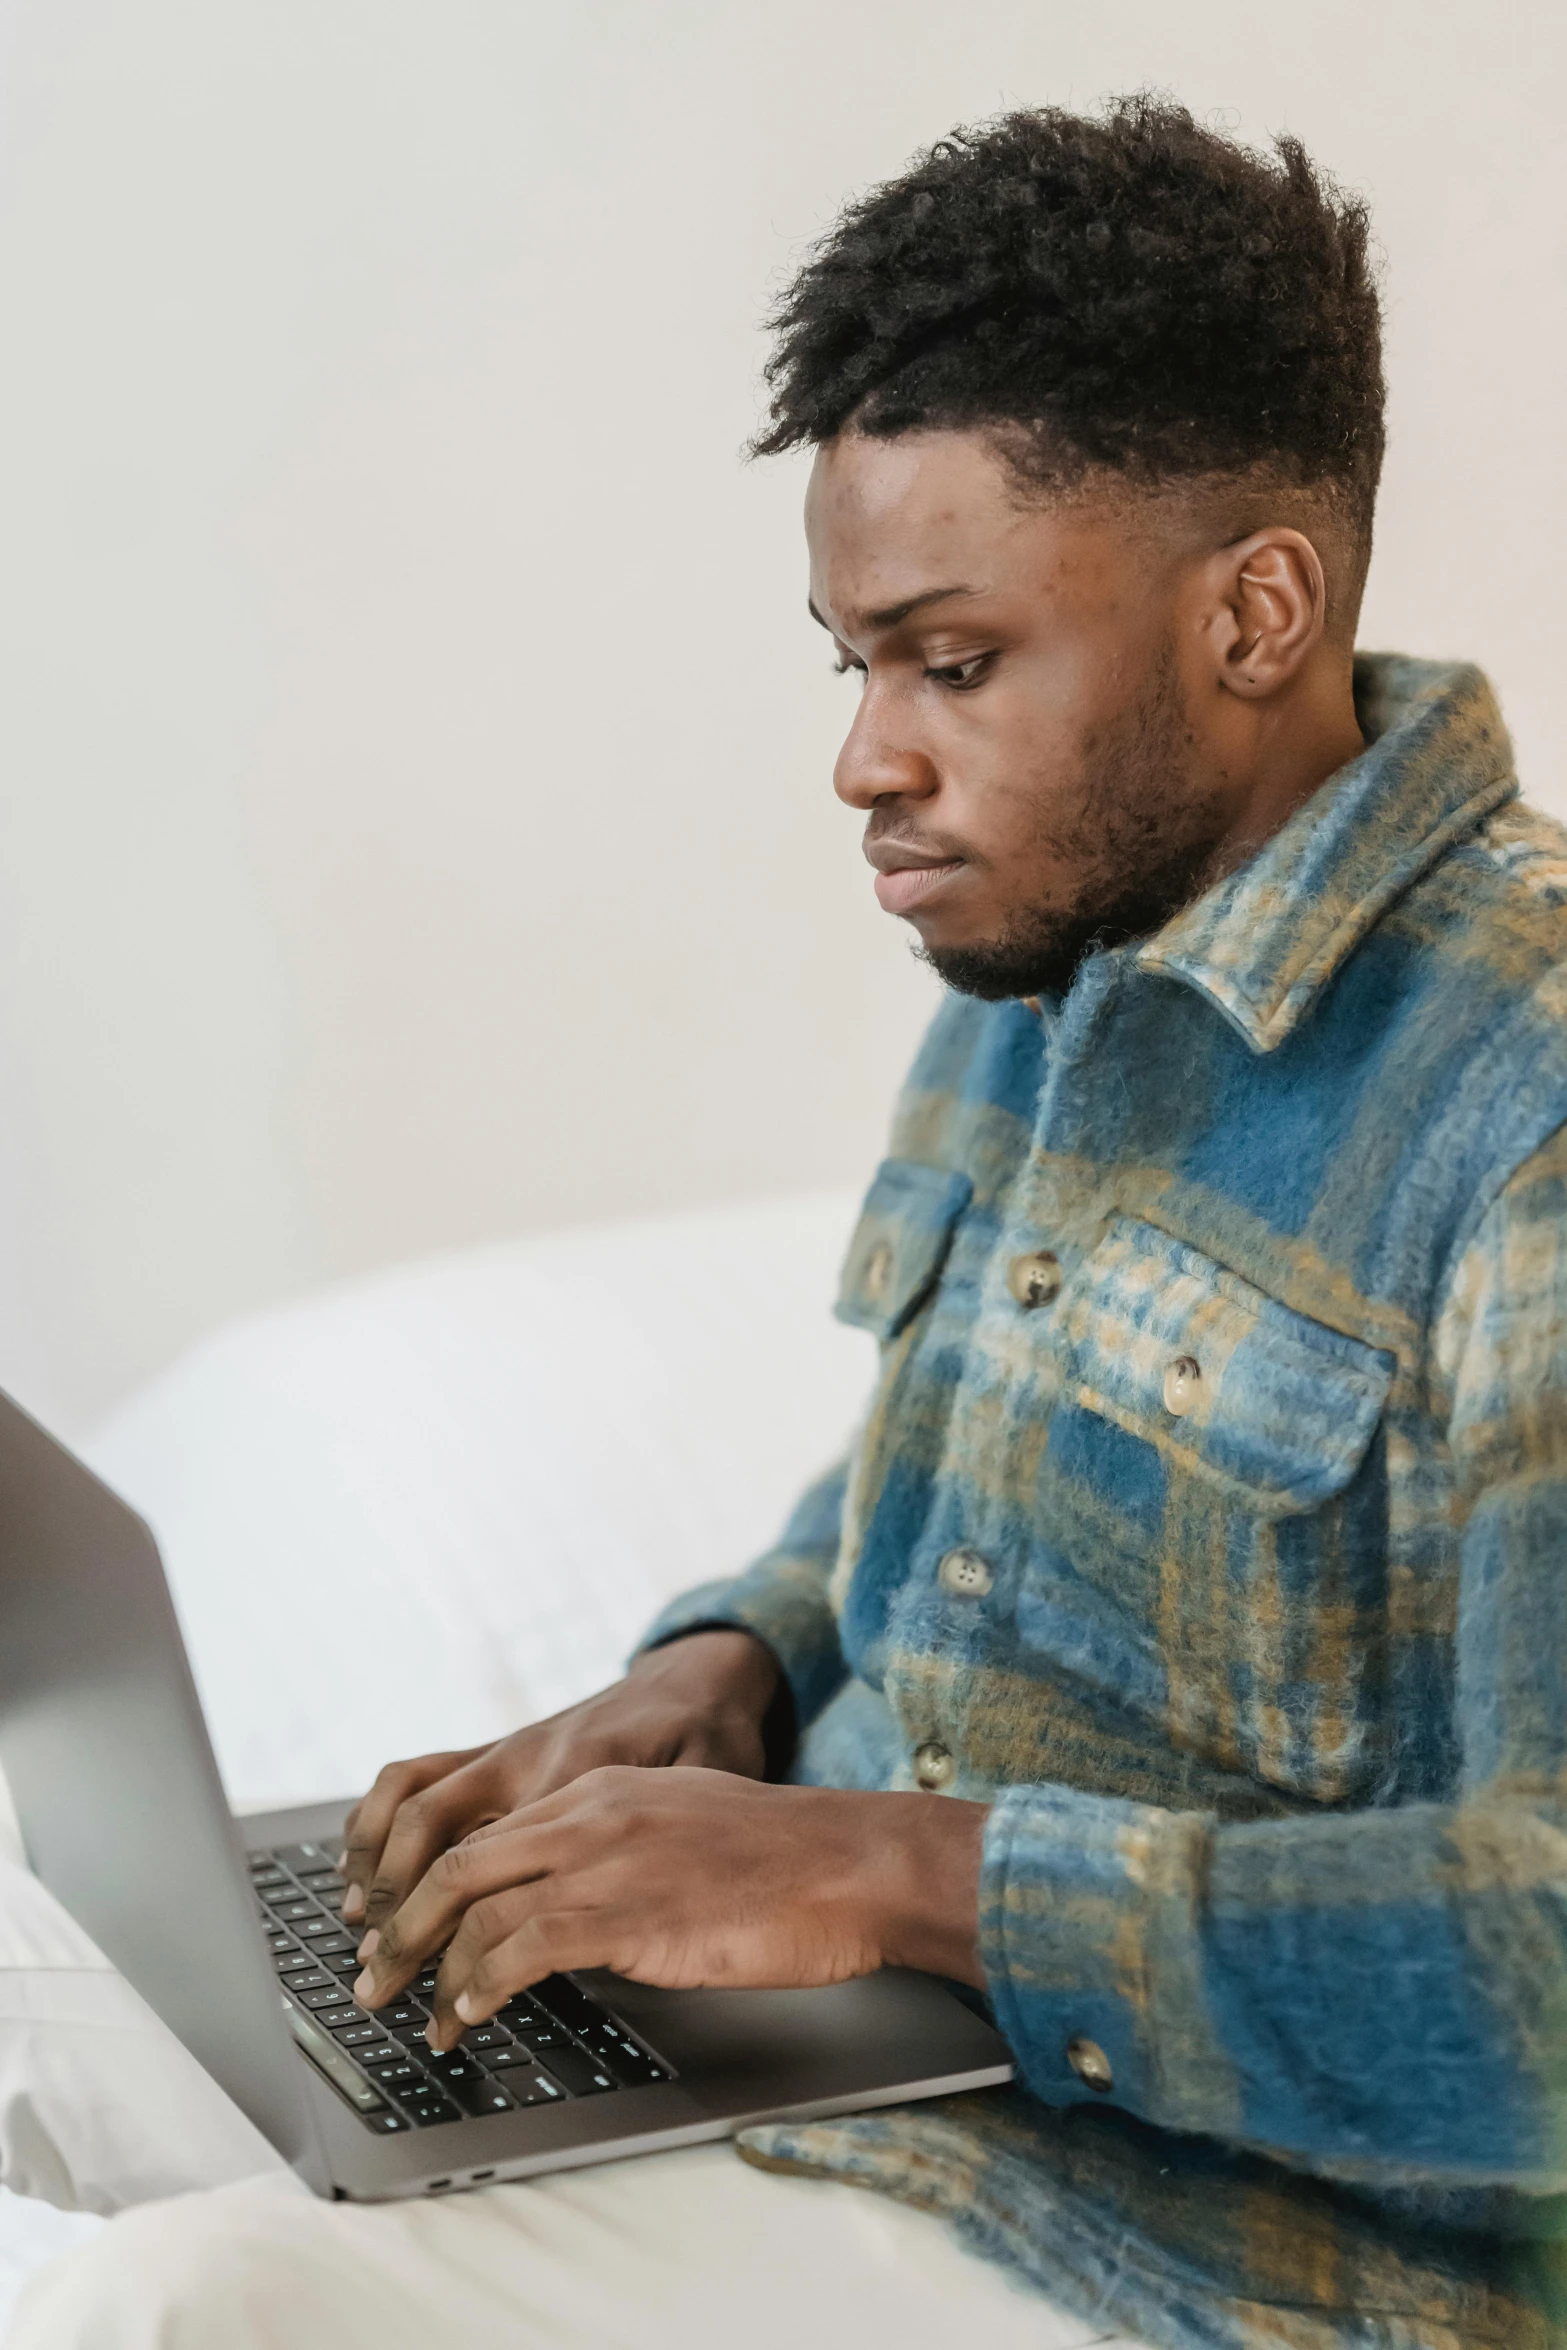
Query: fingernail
point(353, 1903)
point(467, 2008)
point(342, 1861)
point(370, 1945)
point(364, 1986)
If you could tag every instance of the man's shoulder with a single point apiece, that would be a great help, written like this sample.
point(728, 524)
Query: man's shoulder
point(1507, 880)
point(1490, 921)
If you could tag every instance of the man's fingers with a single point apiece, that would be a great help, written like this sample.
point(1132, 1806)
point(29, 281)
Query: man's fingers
point(426, 1825)
point(457, 1879)
point(368, 1825)
point(508, 1941)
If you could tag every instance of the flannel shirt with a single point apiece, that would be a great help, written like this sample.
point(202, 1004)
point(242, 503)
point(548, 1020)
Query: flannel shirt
point(1209, 1522)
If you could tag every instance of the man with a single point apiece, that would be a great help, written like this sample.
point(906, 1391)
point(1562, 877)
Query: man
point(1179, 1657)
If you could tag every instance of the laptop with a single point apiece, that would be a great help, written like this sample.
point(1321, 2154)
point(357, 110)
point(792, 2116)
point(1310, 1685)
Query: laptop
point(230, 1929)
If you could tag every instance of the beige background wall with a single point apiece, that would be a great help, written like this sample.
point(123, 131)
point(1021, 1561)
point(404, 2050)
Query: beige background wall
point(414, 753)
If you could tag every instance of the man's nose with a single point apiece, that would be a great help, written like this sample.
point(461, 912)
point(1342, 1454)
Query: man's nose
point(878, 762)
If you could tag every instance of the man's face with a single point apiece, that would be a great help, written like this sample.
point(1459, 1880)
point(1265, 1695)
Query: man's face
point(1023, 744)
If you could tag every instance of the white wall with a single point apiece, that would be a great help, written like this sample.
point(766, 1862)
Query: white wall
point(415, 755)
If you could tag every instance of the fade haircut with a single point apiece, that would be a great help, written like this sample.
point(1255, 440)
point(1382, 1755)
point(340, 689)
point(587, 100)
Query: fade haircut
point(1129, 293)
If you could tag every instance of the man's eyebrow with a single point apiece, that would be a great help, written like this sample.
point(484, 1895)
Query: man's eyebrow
point(894, 615)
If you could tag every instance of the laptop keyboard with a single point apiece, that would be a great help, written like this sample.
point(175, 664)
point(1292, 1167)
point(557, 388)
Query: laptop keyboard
point(546, 2045)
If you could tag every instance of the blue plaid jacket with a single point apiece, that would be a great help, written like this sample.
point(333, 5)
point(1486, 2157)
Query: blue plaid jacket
point(1210, 1522)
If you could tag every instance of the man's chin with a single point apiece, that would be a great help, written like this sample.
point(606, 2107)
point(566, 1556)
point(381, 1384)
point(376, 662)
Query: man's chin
point(996, 969)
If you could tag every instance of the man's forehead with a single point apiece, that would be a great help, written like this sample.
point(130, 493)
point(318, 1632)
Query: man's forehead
point(899, 524)
point(913, 486)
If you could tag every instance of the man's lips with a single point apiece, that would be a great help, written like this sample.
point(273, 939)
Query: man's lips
point(901, 891)
point(905, 877)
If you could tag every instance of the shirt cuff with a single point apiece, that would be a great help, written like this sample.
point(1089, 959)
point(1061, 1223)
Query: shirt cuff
point(1087, 1912)
point(784, 1604)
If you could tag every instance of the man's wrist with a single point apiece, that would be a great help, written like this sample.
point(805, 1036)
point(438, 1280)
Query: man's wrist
point(721, 1663)
point(926, 1853)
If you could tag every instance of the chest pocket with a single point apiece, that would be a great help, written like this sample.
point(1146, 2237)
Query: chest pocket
point(1216, 1458)
point(900, 1244)
point(1275, 1409)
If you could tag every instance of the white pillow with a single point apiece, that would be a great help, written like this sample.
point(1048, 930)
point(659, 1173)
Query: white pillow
point(417, 1510)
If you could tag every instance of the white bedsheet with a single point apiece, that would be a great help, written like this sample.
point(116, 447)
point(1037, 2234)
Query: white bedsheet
point(419, 1509)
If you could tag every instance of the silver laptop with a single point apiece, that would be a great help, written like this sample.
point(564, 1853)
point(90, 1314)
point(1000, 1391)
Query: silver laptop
point(229, 1927)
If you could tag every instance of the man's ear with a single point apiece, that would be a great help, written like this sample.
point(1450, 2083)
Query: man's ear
point(1268, 610)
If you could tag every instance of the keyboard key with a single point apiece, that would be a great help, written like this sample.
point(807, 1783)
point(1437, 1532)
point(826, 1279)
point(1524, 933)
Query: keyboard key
point(322, 2001)
point(505, 2060)
point(422, 2116)
point(399, 2073)
point(563, 1999)
point(602, 2042)
point(328, 2056)
point(534, 2088)
point(290, 1909)
point(336, 1962)
point(606, 2040)
point(373, 2057)
point(534, 2031)
point(387, 2124)
point(423, 1986)
point(481, 2095)
point(332, 1944)
point(303, 1856)
point(583, 2075)
point(401, 2012)
point(314, 1928)
point(352, 2034)
point(277, 1941)
point(321, 1881)
point(453, 2068)
point(633, 2068)
point(416, 2092)
point(479, 2036)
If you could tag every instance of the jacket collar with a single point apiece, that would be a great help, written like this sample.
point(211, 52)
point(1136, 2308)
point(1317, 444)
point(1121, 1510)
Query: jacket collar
point(1264, 942)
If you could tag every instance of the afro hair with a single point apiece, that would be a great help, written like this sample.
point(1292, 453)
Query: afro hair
point(1129, 291)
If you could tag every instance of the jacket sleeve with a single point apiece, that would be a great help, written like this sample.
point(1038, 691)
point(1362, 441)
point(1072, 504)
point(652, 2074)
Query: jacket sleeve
point(782, 1599)
point(1379, 1994)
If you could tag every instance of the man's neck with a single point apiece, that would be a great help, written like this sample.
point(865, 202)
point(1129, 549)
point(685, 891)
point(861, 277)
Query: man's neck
point(1297, 743)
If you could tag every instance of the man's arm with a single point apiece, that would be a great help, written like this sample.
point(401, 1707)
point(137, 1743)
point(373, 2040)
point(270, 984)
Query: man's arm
point(688, 1878)
point(706, 1690)
point(1370, 1992)
point(782, 1601)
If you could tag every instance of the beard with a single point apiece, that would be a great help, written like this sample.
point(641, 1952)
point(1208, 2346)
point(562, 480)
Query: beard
point(1139, 841)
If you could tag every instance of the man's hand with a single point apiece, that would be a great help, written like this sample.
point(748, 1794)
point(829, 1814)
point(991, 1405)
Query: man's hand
point(701, 1700)
point(686, 1877)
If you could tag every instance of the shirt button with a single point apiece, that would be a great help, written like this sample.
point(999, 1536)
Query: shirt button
point(877, 1267)
point(1182, 1378)
point(1091, 2065)
point(934, 1767)
point(1035, 1279)
point(965, 1574)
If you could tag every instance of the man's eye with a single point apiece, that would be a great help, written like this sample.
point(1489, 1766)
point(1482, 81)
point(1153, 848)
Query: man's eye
point(960, 677)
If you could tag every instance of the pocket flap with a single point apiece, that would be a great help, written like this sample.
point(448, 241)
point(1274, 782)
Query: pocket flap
point(1281, 1409)
point(900, 1244)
